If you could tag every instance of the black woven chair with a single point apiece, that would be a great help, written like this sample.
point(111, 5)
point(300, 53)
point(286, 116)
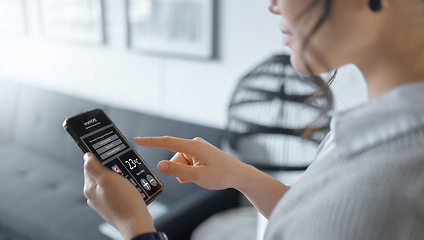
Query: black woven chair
point(271, 107)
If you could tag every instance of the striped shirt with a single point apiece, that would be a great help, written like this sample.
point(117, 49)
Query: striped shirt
point(367, 181)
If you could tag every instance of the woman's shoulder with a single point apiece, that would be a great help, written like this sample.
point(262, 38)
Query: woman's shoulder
point(377, 194)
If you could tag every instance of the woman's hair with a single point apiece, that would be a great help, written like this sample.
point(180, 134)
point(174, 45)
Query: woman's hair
point(323, 86)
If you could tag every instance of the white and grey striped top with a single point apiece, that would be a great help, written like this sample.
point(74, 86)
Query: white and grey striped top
point(367, 181)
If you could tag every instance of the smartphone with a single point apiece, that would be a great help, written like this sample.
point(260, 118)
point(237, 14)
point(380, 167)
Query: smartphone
point(93, 131)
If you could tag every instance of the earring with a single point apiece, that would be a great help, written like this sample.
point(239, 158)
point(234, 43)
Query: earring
point(377, 5)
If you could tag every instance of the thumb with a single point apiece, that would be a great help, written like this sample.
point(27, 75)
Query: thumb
point(93, 167)
point(185, 173)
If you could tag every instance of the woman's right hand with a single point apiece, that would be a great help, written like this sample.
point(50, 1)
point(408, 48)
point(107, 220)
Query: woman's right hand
point(196, 161)
point(202, 163)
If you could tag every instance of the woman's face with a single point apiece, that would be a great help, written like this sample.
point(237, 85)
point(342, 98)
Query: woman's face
point(341, 38)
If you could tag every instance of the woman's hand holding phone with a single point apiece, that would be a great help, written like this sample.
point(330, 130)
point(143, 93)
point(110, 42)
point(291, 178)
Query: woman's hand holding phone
point(115, 199)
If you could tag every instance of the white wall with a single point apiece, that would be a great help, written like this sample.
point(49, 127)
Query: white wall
point(186, 89)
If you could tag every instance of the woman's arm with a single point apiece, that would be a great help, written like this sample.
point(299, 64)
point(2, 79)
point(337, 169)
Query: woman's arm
point(202, 163)
point(262, 190)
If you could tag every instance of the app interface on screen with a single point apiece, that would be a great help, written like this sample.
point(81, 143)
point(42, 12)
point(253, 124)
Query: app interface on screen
point(117, 155)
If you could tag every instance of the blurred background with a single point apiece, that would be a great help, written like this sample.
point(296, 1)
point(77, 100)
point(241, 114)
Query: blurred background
point(193, 89)
point(159, 67)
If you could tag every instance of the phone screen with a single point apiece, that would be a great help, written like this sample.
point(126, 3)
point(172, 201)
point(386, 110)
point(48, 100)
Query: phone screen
point(93, 131)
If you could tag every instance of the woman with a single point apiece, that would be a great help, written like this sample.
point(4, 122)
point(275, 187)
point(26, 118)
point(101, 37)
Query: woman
point(368, 179)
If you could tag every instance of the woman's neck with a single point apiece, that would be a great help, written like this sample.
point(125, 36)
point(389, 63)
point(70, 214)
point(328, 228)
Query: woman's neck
point(387, 75)
point(397, 57)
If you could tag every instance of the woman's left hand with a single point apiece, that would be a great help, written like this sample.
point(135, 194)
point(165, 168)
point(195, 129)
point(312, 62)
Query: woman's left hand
point(115, 199)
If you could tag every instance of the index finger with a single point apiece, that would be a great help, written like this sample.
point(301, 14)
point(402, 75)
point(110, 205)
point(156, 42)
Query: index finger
point(169, 143)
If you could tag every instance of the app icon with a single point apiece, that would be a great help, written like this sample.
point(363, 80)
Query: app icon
point(116, 169)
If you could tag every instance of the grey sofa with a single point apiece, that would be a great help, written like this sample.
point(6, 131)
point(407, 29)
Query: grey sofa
point(41, 175)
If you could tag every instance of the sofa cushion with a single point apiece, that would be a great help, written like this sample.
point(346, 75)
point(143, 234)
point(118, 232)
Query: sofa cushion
point(8, 93)
point(38, 122)
point(42, 198)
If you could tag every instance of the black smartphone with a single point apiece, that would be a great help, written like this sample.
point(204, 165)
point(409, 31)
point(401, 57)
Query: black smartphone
point(93, 131)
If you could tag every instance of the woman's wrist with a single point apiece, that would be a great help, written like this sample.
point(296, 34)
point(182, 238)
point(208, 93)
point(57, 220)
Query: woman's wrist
point(151, 236)
point(262, 190)
point(243, 175)
point(129, 230)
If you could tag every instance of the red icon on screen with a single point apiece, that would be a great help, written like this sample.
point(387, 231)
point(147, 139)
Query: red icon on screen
point(116, 169)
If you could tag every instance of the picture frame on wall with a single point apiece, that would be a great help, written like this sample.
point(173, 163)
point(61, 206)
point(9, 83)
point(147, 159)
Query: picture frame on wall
point(73, 20)
point(12, 17)
point(171, 27)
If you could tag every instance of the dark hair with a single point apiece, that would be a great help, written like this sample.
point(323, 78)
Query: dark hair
point(323, 86)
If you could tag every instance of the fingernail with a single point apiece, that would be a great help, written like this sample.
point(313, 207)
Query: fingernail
point(86, 156)
point(163, 166)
